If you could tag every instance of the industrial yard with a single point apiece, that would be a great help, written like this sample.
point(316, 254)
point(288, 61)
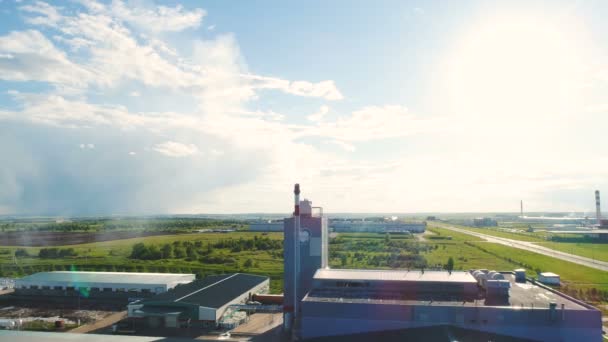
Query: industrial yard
point(193, 283)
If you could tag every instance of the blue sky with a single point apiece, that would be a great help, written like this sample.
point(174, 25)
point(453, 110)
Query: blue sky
point(140, 107)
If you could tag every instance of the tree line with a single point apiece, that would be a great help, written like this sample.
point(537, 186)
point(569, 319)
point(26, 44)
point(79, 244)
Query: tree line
point(48, 253)
point(198, 251)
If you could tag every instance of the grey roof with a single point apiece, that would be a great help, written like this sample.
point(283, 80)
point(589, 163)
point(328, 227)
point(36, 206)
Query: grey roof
point(394, 275)
point(107, 277)
point(521, 295)
point(212, 292)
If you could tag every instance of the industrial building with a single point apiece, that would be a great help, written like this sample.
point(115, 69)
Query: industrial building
point(377, 227)
point(335, 302)
point(99, 284)
point(267, 226)
point(484, 222)
point(199, 303)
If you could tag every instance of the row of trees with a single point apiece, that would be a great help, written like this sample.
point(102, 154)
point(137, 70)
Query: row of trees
point(263, 243)
point(48, 253)
point(154, 224)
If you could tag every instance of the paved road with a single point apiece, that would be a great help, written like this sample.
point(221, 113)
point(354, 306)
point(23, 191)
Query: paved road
point(529, 246)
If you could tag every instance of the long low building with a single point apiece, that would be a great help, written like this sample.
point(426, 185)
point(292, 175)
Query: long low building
point(200, 303)
point(377, 227)
point(270, 226)
point(350, 302)
point(99, 284)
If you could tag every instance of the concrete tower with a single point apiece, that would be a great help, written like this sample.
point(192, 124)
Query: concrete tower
point(305, 251)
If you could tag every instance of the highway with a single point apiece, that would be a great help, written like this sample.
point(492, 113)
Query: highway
point(530, 246)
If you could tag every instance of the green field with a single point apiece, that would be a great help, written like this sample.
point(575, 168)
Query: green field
point(596, 251)
point(114, 256)
point(515, 234)
point(573, 275)
point(347, 250)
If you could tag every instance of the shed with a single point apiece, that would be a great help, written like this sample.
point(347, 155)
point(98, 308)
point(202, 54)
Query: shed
point(549, 278)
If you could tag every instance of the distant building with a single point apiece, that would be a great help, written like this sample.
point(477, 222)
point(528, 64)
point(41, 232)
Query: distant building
point(484, 222)
point(199, 303)
point(377, 226)
point(549, 278)
point(431, 218)
point(268, 226)
point(99, 284)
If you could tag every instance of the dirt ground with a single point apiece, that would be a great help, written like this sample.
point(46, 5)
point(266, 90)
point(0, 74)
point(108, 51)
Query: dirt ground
point(84, 316)
point(101, 325)
point(40, 239)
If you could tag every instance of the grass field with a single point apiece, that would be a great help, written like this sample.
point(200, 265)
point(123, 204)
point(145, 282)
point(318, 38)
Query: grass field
point(597, 251)
point(573, 275)
point(351, 250)
point(516, 234)
point(114, 256)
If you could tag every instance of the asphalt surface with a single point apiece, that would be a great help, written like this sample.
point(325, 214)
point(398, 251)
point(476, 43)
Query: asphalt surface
point(530, 246)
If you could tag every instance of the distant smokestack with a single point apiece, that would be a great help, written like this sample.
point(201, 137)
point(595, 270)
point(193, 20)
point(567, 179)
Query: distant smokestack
point(598, 212)
point(521, 208)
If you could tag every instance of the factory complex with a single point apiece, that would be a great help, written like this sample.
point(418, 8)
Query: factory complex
point(322, 302)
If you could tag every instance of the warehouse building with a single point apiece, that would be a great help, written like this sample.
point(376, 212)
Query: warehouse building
point(199, 303)
point(377, 226)
point(484, 222)
point(267, 226)
point(99, 284)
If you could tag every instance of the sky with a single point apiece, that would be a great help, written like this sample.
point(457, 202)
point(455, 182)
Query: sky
point(165, 107)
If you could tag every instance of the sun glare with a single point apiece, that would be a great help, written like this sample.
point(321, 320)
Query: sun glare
point(514, 67)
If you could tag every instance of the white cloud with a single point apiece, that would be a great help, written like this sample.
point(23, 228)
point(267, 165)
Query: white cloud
point(211, 27)
point(34, 57)
point(158, 18)
point(49, 15)
point(215, 72)
point(132, 153)
point(86, 146)
point(324, 89)
point(374, 123)
point(134, 94)
point(319, 115)
point(598, 108)
point(175, 149)
point(345, 146)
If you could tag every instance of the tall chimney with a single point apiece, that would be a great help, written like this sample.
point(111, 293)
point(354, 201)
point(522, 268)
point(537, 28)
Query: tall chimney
point(521, 208)
point(296, 249)
point(598, 212)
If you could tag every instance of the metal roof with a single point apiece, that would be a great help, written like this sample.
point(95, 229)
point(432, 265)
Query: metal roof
point(394, 275)
point(521, 295)
point(549, 274)
point(107, 277)
point(212, 292)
